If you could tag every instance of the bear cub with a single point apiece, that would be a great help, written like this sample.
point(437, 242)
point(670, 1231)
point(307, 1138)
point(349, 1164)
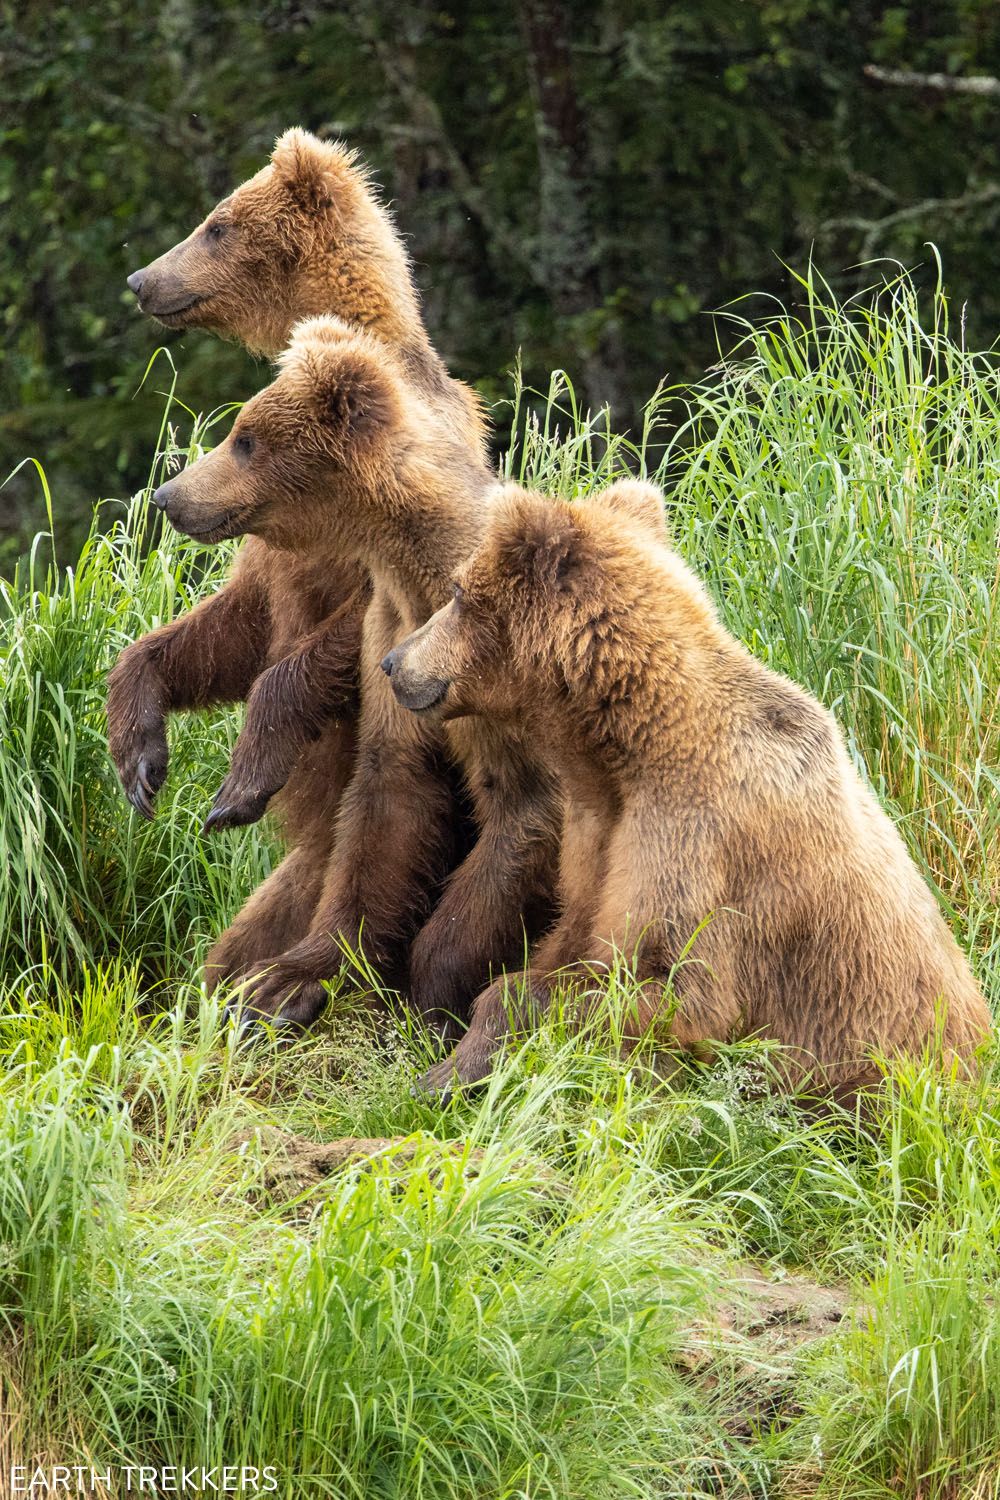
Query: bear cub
point(340, 458)
point(716, 831)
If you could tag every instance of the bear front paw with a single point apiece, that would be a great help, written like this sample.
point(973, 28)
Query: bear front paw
point(236, 806)
point(275, 997)
point(463, 1068)
point(142, 768)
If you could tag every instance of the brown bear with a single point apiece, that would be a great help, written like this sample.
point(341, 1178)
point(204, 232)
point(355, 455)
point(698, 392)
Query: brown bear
point(306, 234)
point(342, 458)
point(716, 833)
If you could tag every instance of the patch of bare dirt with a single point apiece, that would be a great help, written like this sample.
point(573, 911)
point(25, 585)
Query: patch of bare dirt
point(751, 1345)
point(293, 1164)
point(784, 1312)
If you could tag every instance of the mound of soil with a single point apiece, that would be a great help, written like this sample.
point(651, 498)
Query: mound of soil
point(783, 1313)
point(293, 1164)
point(761, 1326)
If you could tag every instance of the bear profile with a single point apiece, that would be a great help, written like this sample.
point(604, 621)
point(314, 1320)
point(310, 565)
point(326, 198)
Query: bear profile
point(716, 830)
point(306, 235)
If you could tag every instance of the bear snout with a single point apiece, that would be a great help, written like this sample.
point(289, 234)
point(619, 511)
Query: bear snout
point(195, 519)
point(413, 691)
point(165, 291)
point(161, 497)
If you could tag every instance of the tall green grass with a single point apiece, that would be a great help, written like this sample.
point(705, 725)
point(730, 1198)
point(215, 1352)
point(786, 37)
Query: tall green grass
point(535, 1296)
point(838, 479)
point(85, 880)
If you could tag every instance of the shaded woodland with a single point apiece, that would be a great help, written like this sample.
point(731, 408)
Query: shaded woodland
point(582, 185)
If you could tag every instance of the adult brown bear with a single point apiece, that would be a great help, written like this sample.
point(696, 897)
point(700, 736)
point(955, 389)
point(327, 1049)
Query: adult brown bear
point(716, 830)
point(305, 235)
point(341, 457)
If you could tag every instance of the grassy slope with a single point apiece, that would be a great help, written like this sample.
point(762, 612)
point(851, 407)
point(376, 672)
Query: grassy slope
point(538, 1314)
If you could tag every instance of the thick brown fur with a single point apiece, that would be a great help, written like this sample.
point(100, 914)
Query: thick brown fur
point(306, 234)
point(716, 830)
point(341, 458)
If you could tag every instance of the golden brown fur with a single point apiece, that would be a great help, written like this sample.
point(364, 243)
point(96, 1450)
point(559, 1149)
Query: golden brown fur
point(341, 459)
point(306, 234)
point(710, 803)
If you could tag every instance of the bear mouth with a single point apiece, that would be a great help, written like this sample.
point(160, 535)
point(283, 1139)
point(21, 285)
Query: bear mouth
point(426, 699)
point(166, 314)
point(219, 531)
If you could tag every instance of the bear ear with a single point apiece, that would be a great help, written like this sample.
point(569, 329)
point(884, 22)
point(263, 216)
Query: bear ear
point(638, 501)
point(344, 377)
point(307, 168)
point(356, 395)
point(541, 542)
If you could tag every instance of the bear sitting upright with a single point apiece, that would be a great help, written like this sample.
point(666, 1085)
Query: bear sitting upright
point(716, 830)
point(306, 234)
point(341, 458)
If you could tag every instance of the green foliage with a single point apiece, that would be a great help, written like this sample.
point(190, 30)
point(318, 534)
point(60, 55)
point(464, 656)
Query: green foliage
point(474, 1323)
point(707, 147)
point(84, 880)
point(836, 479)
point(909, 1397)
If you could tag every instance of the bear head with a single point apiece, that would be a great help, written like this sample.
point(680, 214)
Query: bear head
point(546, 589)
point(305, 452)
point(306, 235)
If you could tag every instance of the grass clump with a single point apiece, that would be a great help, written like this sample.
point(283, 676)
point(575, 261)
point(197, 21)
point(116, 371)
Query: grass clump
point(85, 881)
point(477, 1323)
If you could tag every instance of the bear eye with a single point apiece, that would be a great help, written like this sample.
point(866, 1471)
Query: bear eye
point(243, 445)
point(215, 230)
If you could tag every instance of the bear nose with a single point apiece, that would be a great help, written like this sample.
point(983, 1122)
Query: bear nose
point(134, 282)
point(389, 662)
point(161, 497)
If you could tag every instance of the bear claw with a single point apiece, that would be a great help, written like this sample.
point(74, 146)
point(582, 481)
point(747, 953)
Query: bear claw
point(273, 1003)
point(236, 813)
point(144, 788)
point(448, 1077)
point(253, 1029)
point(140, 800)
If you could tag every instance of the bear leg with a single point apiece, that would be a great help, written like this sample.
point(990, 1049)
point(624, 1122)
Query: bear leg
point(287, 709)
point(277, 915)
point(508, 1007)
point(210, 655)
point(501, 896)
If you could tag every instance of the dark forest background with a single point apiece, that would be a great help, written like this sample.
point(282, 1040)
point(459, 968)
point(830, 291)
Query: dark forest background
point(581, 182)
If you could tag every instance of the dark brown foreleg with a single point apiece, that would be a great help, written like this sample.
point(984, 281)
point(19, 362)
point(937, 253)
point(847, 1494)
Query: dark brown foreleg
point(288, 707)
point(280, 913)
point(277, 915)
point(501, 896)
point(392, 849)
point(210, 655)
point(510, 1007)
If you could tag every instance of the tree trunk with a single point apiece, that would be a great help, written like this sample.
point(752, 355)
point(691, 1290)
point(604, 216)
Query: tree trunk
point(568, 249)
